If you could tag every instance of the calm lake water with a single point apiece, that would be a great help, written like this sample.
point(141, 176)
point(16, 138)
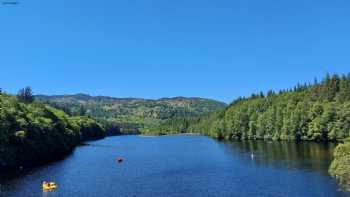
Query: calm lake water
point(182, 166)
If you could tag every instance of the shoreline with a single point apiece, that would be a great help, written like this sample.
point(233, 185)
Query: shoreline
point(170, 134)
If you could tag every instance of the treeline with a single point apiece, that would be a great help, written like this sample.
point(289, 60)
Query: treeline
point(32, 132)
point(317, 112)
point(175, 125)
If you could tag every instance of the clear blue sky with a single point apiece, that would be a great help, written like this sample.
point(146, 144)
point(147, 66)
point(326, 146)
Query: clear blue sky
point(218, 49)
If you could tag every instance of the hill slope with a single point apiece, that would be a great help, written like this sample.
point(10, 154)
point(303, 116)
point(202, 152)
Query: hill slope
point(33, 133)
point(125, 115)
point(318, 112)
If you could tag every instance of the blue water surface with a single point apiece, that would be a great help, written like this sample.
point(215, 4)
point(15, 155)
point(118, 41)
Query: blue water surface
point(182, 166)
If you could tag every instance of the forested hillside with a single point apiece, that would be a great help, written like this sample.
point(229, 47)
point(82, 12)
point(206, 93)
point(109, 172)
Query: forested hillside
point(133, 115)
point(317, 112)
point(32, 132)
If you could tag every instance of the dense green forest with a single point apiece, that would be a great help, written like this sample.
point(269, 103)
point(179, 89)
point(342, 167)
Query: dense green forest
point(317, 112)
point(134, 115)
point(340, 167)
point(30, 129)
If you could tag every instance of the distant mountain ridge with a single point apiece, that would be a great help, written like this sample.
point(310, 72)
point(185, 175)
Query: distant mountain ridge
point(137, 113)
point(87, 97)
point(83, 97)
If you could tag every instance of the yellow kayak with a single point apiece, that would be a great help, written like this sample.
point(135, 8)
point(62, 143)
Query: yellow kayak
point(49, 186)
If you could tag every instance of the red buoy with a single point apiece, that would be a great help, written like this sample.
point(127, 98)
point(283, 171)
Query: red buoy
point(120, 159)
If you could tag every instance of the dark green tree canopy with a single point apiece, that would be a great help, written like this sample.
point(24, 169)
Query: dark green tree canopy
point(318, 112)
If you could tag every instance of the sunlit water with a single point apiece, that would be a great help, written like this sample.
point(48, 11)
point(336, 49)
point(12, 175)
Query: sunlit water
point(182, 166)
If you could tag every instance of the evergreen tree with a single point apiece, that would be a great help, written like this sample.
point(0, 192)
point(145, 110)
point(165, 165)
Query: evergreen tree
point(319, 112)
point(25, 95)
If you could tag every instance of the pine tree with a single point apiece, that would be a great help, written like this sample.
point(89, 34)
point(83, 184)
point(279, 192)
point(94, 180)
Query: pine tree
point(25, 95)
point(344, 89)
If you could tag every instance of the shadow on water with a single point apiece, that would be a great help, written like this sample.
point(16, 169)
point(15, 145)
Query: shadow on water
point(309, 156)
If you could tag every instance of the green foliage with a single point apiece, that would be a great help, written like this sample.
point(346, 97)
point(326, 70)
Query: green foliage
point(340, 167)
point(132, 115)
point(318, 112)
point(170, 126)
point(89, 129)
point(20, 134)
point(31, 132)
